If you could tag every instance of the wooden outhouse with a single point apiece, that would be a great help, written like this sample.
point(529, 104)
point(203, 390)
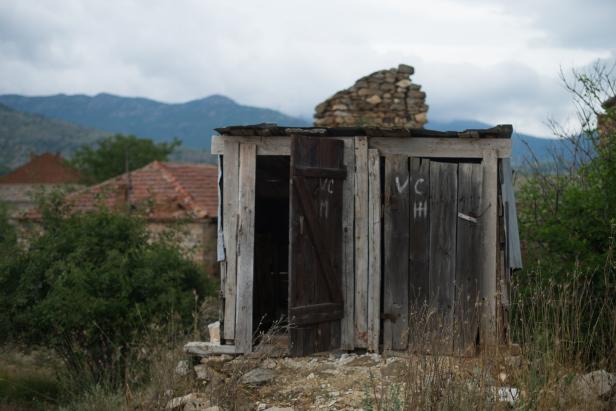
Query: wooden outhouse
point(366, 238)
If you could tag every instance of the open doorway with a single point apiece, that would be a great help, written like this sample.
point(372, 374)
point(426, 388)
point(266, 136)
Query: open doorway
point(271, 270)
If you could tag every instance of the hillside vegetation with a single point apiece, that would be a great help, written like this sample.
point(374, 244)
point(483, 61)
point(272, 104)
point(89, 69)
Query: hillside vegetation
point(22, 134)
point(192, 122)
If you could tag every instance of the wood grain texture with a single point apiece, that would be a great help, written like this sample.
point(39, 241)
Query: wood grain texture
point(443, 216)
point(374, 252)
point(230, 217)
point(468, 258)
point(245, 252)
point(441, 147)
point(417, 147)
point(489, 248)
point(347, 338)
point(316, 245)
point(419, 253)
point(361, 242)
point(396, 237)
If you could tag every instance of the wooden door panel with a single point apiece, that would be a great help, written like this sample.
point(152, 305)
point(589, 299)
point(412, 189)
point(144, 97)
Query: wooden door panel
point(315, 297)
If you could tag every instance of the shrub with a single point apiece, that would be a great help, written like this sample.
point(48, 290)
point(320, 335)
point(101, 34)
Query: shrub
point(92, 283)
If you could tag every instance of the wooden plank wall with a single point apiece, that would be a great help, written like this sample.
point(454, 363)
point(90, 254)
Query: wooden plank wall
point(245, 251)
point(396, 238)
point(361, 242)
point(468, 258)
point(347, 331)
point(419, 255)
point(374, 250)
point(443, 263)
point(230, 199)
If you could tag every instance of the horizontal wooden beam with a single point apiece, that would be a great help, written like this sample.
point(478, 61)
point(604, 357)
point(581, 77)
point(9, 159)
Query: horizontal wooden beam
point(316, 313)
point(441, 147)
point(203, 349)
point(266, 146)
point(412, 146)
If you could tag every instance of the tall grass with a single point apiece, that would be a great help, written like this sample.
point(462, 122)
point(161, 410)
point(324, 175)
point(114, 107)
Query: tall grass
point(563, 328)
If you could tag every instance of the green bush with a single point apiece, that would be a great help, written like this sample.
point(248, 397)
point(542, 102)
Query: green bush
point(567, 225)
point(92, 284)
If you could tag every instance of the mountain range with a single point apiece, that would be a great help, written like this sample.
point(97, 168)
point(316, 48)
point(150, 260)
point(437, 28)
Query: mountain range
point(64, 122)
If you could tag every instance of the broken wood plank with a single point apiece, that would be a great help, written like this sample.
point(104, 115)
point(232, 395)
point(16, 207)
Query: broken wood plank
point(374, 252)
point(361, 242)
point(396, 237)
point(245, 252)
point(230, 215)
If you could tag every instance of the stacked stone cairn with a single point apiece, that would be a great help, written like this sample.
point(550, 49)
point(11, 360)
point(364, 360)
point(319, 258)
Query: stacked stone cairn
point(386, 98)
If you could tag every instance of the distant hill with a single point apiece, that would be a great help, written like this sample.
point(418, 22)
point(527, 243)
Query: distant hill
point(22, 134)
point(192, 122)
point(541, 147)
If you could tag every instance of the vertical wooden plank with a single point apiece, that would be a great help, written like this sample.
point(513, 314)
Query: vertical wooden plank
point(489, 248)
point(230, 215)
point(419, 253)
point(396, 237)
point(361, 242)
point(374, 250)
point(245, 252)
point(348, 263)
point(443, 215)
point(468, 258)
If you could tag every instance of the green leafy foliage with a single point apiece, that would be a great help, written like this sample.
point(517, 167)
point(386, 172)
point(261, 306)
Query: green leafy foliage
point(567, 224)
point(91, 284)
point(111, 156)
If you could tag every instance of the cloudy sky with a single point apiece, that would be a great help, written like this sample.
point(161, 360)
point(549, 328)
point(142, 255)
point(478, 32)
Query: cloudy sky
point(496, 61)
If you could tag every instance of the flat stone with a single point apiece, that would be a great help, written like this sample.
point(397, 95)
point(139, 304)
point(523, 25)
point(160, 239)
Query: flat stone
point(374, 99)
point(182, 368)
point(258, 376)
point(594, 385)
point(405, 68)
point(421, 118)
point(199, 404)
point(214, 330)
point(178, 402)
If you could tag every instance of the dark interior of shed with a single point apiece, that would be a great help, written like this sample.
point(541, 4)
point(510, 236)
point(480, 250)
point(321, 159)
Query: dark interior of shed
point(271, 273)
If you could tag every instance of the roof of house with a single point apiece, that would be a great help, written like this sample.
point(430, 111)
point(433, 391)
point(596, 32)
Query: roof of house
point(45, 168)
point(160, 190)
point(267, 129)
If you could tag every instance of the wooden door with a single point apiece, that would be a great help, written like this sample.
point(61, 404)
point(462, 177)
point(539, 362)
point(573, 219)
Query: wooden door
point(315, 297)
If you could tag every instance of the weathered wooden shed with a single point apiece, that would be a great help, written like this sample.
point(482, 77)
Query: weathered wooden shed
point(366, 238)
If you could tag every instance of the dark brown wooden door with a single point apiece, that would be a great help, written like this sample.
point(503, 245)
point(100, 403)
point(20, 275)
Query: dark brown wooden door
point(315, 297)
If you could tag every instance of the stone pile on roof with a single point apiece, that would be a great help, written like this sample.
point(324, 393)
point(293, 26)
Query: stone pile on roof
point(161, 191)
point(386, 98)
point(45, 168)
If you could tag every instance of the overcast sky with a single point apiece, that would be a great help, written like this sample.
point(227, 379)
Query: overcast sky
point(494, 61)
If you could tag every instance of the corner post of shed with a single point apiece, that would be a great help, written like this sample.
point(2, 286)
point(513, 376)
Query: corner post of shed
point(489, 245)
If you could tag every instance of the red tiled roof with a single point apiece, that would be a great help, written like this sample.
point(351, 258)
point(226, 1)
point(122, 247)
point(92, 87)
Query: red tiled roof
point(161, 190)
point(46, 168)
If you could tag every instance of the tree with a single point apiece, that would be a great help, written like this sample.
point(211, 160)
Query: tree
point(567, 220)
point(91, 286)
point(568, 215)
point(113, 155)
